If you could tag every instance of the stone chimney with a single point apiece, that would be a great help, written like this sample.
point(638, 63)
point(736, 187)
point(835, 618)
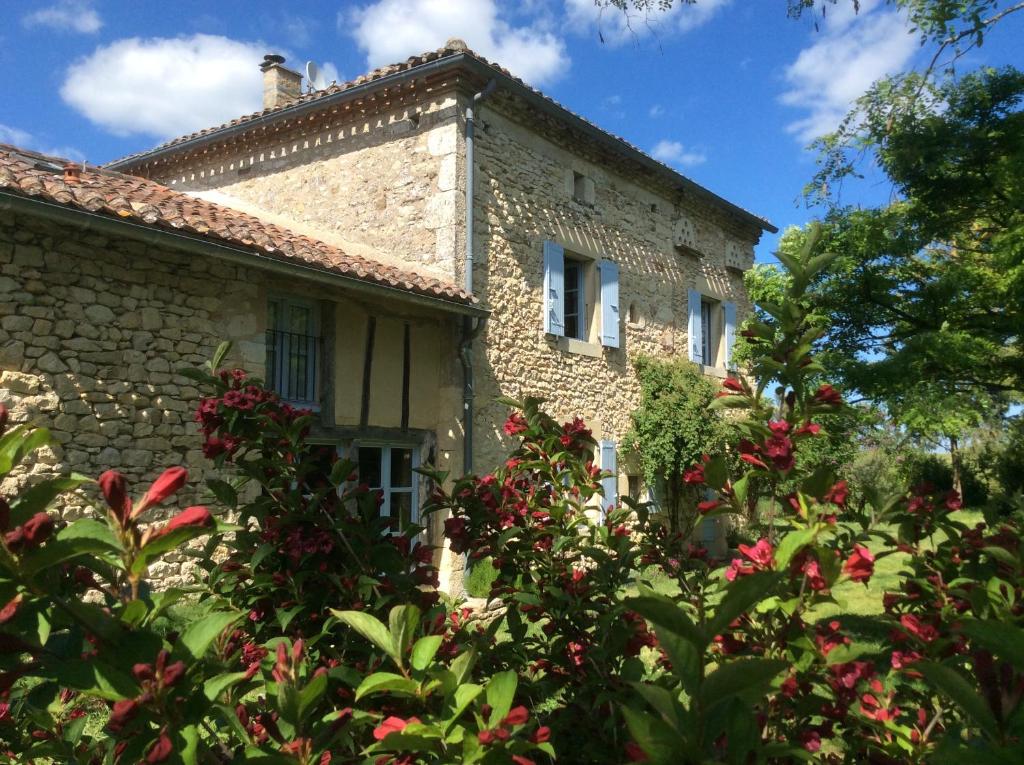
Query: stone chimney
point(280, 84)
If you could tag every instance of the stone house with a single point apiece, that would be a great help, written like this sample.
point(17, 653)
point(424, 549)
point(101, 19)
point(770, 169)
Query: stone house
point(397, 251)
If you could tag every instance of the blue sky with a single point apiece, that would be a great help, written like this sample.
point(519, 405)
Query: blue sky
point(727, 91)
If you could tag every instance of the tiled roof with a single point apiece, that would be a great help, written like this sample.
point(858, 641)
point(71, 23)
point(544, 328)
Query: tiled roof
point(452, 48)
point(140, 201)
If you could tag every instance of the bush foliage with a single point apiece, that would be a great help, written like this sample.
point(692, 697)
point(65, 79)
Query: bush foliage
point(318, 637)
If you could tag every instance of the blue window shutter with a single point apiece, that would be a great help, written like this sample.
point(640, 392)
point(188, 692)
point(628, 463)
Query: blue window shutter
point(694, 328)
point(729, 311)
point(609, 304)
point(554, 288)
point(609, 485)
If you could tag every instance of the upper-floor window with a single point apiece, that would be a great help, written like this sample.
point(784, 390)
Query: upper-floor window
point(712, 330)
point(293, 349)
point(581, 296)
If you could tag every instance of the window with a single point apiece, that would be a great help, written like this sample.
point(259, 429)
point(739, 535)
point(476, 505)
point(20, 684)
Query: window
point(709, 339)
point(712, 330)
point(293, 349)
point(579, 293)
point(583, 189)
point(391, 471)
point(575, 305)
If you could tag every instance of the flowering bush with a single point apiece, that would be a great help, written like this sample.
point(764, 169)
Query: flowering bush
point(318, 637)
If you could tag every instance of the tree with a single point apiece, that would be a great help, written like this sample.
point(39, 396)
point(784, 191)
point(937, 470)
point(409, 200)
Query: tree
point(673, 429)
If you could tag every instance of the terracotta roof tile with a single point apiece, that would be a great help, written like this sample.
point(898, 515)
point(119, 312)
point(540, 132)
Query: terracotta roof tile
point(142, 201)
point(452, 48)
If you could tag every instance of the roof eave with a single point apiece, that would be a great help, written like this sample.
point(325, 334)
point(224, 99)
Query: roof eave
point(186, 242)
point(484, 70)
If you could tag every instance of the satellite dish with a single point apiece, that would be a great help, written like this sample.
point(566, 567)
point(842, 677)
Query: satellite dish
point(313, 79)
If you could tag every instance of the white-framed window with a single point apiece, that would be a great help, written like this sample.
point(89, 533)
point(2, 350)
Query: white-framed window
point(293, 349)
point(711, 329)
point(391, 470)
point(581, 297)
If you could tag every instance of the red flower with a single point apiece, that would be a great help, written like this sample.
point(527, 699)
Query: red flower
point(708, 505)
point(732, 384)
point(808, 429)
point(812, 570)
point(517, 716)
point(167, 484)
point(634, 753)
point(190, 516)
point(161, 750)
point(694, 475)
point(4, 414)
point(515, 424)
point(954, 501)
point(11, 608)
point(779, 449)
point(392, 725)
point(115, 492)
point(760, 558)
point(922, 630)
point(541, 735)
point(123, 712)
point(30, 534)
point(827, 395)
point(838, 493)
point(752, 460)
point(860, 565)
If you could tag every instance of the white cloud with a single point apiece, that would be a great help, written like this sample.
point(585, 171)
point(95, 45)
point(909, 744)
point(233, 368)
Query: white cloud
point(617, 26)
point(674, 153)
point(14, 136)
point(392, 30)
point(25, 140)
point(66, 15)
point(165, 87)
point(656, 111)
point(848, 54)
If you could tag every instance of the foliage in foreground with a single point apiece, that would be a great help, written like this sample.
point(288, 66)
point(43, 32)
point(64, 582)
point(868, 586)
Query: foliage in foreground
point(318, 637)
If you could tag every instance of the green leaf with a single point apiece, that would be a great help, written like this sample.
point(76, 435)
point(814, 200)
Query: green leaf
point(1004, 640)
point(666, 704)
point(312, 694)
point(958, 689)
point(371, 629)
point(387, 682)
point(190, 752)
point(174, 539)
point(464, 696)
point(423, 651)
point(95, 677)
point(792, 544)
point(500, 691)
point(134, 612)
point(18, 442)
point(223, 491)
point(739, 677)
point(403, 621)
point(1002, 555)
point(663, 612)
point(216, 685)
point(661, 744)
point(83, 537)
point(198, 636)
point(218, 356)
point(684, 655)
point(38, 498)
point(740, 596)
point(716, 472)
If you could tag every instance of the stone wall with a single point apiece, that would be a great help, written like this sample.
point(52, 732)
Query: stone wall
point(391, 181)
point(93, 331)
point(525, 195)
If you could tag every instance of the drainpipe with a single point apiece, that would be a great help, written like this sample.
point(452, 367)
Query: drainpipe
point(470, 329)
